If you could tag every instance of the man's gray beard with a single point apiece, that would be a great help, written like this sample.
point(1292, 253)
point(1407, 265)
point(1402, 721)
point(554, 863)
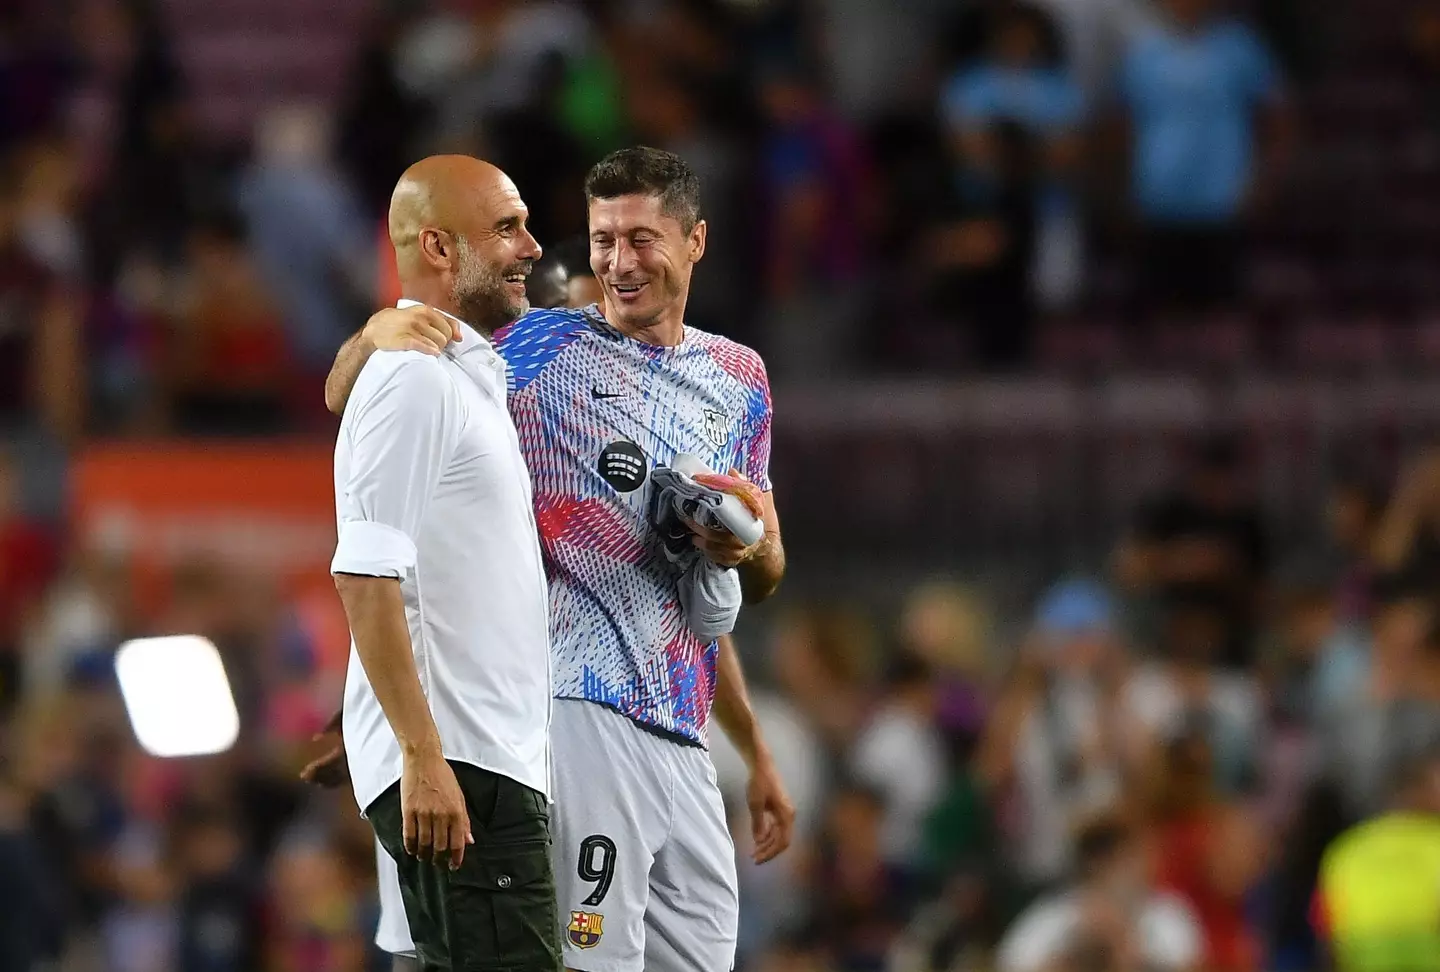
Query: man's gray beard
point(480, 293)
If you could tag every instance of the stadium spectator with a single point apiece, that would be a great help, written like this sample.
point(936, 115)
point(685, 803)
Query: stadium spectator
point(1204, 533)
point(32, 912)
point(88, 609)
point(1014, 123)
point(154, 166)
point(1110, 918)
point(581, 287)
point(824, 658)
point(1377, 901)
point(40, 357)
point(1396, 700)
point(1354, 514)
point(315, 914)
point(1407, 537)
point(901, 755)
point(1208, 850)
point(1311, 651)
point(27, 565)
point(218, 906)
point(859, 902)
point(1183, 690)
point(379, 120)
point(949, 627)
point(1208, 129)
point(1057, 739)
point(816, 191)
point(307, 232)
point(231, 364)
point(668, 111)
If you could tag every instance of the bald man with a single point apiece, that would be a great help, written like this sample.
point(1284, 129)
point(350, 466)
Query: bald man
point(447, 706)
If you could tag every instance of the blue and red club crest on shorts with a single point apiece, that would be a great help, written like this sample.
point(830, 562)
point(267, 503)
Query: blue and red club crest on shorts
point(585, 929)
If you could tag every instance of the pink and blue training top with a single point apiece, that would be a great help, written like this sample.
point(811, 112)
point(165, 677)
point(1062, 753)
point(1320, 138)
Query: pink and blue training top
point(578, 387)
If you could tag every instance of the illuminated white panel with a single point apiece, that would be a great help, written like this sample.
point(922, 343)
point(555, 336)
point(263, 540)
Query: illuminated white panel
point(177, 695)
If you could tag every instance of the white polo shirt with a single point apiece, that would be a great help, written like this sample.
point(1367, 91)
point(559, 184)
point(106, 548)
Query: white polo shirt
point(430, 488)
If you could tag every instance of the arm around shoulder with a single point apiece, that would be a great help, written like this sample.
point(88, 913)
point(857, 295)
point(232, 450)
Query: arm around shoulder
point(414, 327)
point(349, 361)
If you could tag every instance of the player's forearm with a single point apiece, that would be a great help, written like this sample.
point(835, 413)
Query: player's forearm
point(376, 613)
point(341, 380)
point(761, 575)
point(732, 705)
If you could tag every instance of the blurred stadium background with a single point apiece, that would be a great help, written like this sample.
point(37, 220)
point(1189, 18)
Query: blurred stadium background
point(1104, 358)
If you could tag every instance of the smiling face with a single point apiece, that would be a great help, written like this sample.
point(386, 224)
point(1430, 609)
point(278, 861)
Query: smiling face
point(495, 255)
point(643, 258)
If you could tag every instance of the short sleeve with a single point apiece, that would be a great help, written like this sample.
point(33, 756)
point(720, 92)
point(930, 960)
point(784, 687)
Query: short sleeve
point(755, 454)
point(402, 422)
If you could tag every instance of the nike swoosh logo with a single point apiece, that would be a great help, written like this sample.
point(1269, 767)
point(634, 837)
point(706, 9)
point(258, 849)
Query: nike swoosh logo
point(602, 395)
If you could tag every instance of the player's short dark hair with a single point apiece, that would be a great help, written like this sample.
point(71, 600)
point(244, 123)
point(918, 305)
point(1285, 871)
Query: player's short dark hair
point(645, 171)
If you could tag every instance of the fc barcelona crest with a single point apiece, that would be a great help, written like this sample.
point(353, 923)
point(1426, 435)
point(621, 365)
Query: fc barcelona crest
point(717, 427)
point(585, 929)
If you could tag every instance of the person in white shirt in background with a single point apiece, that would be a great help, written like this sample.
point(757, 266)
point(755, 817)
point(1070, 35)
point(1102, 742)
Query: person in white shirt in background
point(1111, 918)
point(900, 753)
point(1059, 733)
point(446, 718)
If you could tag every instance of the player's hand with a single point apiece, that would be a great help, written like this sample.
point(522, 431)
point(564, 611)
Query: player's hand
point(332, 769)
point(417, 328)
point(722, 546)
point(772, 815)
point(436, 824)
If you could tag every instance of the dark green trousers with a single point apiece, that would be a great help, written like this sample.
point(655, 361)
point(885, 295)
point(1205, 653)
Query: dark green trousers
point(497, 912)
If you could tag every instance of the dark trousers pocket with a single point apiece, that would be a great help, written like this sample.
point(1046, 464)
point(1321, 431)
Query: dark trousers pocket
point(501, 912)
point(497, 913)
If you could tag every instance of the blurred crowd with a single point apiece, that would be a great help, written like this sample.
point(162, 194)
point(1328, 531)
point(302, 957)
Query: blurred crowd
point(1145, 772)
point(1141, 769)
point(968, 173)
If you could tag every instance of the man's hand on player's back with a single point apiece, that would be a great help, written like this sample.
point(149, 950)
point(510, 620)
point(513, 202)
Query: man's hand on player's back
point(415, 328)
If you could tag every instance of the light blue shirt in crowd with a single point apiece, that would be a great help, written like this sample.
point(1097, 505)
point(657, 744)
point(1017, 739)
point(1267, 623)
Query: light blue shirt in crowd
point(1193, 98)
point(1043, 101)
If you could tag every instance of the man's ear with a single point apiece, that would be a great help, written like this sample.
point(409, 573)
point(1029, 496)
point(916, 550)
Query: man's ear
point(437, 249)
point(697, 241)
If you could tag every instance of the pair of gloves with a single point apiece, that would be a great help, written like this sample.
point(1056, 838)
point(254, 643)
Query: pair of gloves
point(709, 593)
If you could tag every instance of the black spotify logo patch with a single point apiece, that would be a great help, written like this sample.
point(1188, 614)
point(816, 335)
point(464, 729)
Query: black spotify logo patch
point(623, 465)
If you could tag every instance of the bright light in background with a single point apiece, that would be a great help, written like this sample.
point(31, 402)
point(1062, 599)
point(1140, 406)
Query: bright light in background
point(177, 696)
